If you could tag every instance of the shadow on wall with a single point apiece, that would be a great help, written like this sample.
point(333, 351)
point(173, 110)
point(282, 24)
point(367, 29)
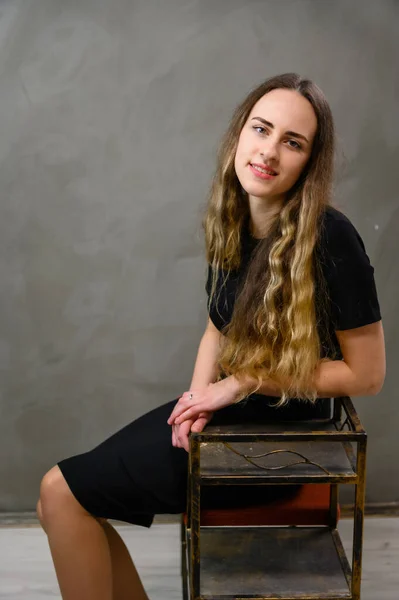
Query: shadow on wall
point(387, 276)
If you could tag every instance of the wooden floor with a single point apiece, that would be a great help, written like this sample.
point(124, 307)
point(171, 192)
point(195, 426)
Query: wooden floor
point(26, 571)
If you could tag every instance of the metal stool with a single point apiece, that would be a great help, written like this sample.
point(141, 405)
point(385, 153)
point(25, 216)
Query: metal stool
point(283, 549)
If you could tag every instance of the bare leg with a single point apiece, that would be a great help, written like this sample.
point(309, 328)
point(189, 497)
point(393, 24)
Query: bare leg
point(126, 581)
point(80, 546)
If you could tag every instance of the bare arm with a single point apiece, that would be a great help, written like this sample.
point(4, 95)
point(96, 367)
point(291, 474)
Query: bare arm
point(205, 372)
point(205, 369)
point(360, 373)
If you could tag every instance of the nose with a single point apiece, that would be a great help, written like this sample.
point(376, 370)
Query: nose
point(270, 152)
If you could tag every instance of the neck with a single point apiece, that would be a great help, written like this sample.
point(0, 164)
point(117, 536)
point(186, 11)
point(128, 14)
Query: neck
point(262, 212)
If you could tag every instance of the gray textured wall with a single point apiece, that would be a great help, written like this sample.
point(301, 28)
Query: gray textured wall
point(110, 114)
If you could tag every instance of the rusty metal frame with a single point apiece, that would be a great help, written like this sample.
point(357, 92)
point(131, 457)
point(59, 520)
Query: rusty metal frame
point(250, 459)
point(195, 511)
point(358, 522)
point(344, 414)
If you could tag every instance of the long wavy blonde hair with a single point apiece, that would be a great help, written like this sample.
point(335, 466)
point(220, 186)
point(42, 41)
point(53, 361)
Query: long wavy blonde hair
point(273, 332)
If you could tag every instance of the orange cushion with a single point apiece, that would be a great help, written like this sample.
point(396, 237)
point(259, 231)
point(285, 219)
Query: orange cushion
point(309, 506)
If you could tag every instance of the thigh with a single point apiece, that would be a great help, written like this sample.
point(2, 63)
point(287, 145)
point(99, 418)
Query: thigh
point(133, 474)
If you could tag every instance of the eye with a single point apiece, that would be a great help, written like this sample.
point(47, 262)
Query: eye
point(295, 145)
point(256, 127)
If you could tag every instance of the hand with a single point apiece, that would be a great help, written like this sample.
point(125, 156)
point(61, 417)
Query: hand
point(180, 433)
point(214, 397)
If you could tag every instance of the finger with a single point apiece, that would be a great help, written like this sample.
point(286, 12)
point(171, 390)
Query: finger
point(183, 439)
point(190, 413)
point(202, 420)
point(186, 443)
point(171, 417)
point(184, 402)
point(183, 431)
point(178, 436)
point(200, 423)
point(173, 436)
point(178, 409)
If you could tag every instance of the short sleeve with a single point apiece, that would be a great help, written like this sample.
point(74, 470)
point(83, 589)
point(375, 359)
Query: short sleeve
point(208, 285)
point(349, 277)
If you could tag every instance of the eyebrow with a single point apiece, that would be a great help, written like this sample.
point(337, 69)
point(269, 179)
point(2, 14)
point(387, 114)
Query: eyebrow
point(292, 133)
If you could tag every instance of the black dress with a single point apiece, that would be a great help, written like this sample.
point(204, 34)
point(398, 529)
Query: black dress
point(137, 473)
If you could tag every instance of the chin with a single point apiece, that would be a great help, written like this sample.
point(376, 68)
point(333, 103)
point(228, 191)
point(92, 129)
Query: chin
point(256, 190)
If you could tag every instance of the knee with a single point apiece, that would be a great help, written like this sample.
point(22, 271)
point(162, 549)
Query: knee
point(39, 513)
point(55, 497)
point(51, 487)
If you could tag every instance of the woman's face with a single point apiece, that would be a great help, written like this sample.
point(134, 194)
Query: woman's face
point(275, 144)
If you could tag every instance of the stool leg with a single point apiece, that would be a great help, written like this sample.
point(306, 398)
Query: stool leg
point(359, 520)
point(184, 573)
point(333, 512)
point(194, 523)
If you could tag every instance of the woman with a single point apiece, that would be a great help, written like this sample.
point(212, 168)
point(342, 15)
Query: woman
point(306, 325)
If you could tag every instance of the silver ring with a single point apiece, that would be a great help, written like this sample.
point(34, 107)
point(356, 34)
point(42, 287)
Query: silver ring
point(191, 396)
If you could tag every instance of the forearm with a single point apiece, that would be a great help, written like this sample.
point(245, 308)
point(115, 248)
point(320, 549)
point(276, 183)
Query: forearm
point(205, 369)
point(332, 379)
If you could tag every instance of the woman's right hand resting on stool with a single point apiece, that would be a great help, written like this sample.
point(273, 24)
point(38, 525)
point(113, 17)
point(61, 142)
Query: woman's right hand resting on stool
point(181, 433)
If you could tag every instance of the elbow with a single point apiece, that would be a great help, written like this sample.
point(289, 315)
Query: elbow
point(377, 382)
point(374, 386)
point(365, 386)
point(366, 383)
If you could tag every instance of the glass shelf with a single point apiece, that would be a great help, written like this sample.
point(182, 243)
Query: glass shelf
point(278, 562)
point(289, 461)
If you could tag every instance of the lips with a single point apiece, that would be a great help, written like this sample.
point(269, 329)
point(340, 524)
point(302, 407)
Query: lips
point(263, 169)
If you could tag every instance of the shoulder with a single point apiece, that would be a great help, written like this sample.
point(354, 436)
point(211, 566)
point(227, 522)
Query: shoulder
point(336, 227)
point(339, 238)
point(343, 258)
point(348, 274)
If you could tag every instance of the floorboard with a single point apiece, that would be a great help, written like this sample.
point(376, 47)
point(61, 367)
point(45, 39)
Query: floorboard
point(26, 571)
